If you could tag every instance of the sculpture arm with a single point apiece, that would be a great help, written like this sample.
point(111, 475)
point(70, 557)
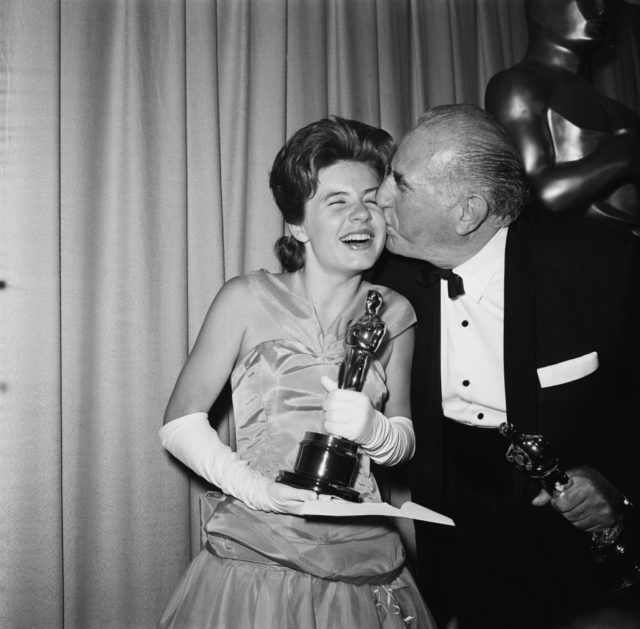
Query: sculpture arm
point(519, 103)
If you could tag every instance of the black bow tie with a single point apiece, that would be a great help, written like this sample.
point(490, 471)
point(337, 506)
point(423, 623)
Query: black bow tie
point(455, 287)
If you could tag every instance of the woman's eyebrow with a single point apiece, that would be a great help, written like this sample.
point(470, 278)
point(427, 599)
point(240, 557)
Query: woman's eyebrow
point(333, 193)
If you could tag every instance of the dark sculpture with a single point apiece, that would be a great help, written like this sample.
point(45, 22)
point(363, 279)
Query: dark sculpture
point(580, 149)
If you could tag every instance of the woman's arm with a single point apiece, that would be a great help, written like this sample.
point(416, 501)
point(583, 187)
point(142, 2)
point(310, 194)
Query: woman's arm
point(214, 353)
point(398, 371)
point(186, 432)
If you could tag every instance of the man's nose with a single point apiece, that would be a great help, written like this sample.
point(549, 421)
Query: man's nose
point(383, 197)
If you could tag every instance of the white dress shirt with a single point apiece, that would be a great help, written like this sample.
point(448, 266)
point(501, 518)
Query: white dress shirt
point(471, 337)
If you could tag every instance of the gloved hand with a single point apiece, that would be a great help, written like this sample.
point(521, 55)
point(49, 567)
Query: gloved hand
point(347, 413)
point(196, 444)
point(350, 414)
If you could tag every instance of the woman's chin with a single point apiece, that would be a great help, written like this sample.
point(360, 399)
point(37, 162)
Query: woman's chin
point(365, 262)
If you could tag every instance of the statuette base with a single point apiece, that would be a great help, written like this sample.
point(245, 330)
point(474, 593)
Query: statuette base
point(325, 464)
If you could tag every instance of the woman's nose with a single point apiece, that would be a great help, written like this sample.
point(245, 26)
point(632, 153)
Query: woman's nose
point(360, 212)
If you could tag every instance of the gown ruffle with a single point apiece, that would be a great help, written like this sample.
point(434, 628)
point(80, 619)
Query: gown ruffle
point(274, 571)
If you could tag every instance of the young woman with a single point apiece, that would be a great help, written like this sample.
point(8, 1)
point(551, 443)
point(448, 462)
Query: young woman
point(281, 339)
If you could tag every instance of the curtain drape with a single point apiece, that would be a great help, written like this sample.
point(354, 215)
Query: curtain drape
point(136, 139)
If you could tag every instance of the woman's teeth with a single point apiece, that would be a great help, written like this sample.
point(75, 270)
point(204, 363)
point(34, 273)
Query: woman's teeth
point(355, 239)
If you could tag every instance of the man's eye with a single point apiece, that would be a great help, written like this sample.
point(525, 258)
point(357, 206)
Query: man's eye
point(400, 181)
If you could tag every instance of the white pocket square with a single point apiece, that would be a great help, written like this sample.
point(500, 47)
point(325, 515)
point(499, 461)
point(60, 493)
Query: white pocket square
point(568, 370)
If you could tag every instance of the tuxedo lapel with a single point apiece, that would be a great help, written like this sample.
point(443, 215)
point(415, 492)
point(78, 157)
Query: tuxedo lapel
point(427, 392)
point(520, 327)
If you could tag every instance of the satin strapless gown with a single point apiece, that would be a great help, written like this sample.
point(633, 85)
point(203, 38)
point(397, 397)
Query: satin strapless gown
point(273, 571)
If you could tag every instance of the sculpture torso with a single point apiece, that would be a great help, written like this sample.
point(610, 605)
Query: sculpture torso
point(558, 121)
point(579, 117)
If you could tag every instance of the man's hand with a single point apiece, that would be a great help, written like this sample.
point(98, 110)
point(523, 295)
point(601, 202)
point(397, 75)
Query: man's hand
point(589, 501)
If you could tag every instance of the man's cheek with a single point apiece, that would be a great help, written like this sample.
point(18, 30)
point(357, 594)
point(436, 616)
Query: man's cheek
point(390, 218)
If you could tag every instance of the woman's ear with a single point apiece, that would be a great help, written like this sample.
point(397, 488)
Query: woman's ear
point(298, 232)
point(473, 213)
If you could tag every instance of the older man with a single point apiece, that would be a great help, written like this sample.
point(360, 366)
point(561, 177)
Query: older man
point(528, 321)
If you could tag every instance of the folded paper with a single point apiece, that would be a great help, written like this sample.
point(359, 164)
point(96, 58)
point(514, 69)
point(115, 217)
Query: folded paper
point(334, 507)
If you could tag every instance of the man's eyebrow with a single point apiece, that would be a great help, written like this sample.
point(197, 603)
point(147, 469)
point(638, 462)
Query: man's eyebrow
point(401, 182)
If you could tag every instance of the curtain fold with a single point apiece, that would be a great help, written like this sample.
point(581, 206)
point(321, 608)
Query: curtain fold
point(31, 544)
point(123, 309)
point(137, 138)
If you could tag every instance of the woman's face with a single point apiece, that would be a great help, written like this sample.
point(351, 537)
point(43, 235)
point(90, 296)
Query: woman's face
point(344, 230)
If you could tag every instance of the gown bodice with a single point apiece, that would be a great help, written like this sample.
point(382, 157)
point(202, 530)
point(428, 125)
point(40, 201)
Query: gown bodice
point(276, 389)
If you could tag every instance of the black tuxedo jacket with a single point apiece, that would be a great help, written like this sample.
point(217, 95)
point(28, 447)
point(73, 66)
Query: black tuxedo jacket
point(570, 289)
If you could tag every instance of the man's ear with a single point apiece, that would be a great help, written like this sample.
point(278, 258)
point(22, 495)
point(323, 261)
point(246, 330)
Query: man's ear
point(473, 213)
point(298, 232)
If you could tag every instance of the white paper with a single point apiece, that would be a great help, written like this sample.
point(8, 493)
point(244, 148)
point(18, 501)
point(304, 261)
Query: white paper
point(334, 507)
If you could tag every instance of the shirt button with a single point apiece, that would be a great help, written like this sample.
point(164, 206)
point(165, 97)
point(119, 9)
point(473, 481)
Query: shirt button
point(465, 323)
point(480, 415)
point(465, 383)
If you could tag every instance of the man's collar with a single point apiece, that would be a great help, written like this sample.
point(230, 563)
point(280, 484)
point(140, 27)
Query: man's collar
point(478, 271)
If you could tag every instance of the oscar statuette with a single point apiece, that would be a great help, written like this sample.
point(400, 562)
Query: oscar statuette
point(328, 464)
point(614, 549)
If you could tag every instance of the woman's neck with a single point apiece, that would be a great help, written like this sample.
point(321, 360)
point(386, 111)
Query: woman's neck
point(329, 294)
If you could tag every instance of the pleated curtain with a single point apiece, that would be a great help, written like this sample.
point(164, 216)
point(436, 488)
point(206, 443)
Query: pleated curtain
point(136, 137)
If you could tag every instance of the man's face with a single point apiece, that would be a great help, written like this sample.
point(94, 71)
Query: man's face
point(418, 202)
point(576, 24)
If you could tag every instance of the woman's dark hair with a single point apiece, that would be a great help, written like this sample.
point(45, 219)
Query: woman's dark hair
point(294, 175)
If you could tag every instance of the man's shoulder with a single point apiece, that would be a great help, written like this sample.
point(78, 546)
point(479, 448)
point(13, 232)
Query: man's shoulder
point(561, 230)
point(576, 247)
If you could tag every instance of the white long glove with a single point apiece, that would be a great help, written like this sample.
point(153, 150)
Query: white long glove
point(193, 442)
point(349, 414)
